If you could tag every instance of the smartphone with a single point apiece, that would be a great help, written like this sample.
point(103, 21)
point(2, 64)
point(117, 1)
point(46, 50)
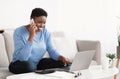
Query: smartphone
point(32, 22)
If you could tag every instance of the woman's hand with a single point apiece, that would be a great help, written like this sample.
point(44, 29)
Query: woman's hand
point(32, 28)
point(64, 60)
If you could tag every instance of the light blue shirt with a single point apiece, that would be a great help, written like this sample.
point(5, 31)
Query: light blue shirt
point(27, 51)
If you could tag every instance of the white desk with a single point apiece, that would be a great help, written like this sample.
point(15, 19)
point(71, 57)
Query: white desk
point(94, 72)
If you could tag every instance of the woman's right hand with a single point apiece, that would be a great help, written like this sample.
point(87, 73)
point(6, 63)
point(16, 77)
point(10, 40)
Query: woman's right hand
point(64, 60)
point(32, 30)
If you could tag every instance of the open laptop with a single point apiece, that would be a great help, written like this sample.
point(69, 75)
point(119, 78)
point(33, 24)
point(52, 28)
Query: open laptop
point(81, 61)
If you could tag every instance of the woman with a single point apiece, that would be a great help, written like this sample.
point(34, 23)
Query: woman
point(31, 43)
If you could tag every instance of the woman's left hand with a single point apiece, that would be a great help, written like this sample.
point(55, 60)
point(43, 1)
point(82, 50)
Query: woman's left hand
point(64, 60)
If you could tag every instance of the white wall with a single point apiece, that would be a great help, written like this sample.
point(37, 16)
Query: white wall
point(83, 19)
point(91, 19)
point(14, 13)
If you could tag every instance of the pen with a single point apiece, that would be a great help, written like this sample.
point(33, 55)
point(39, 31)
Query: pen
point(76, 74)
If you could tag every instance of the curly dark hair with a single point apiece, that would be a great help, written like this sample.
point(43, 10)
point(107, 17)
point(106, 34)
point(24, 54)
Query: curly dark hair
point(38, 12)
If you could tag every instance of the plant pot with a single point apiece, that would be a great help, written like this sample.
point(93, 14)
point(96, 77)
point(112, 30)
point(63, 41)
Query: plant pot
point(112, 63)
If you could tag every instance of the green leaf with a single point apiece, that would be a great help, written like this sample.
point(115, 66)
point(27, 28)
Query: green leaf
point(110, 56)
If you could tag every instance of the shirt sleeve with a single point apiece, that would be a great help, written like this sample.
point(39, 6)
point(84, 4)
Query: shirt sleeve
point(22, 49)
point(51, 48)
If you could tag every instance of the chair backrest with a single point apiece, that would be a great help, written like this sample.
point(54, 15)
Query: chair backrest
point(8, 35)
point(4, 62)
point(58, 34)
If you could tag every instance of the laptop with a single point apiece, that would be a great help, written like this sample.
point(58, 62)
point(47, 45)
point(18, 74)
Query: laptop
point(81, 61)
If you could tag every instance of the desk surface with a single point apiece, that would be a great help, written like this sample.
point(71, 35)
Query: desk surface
point(94, 72)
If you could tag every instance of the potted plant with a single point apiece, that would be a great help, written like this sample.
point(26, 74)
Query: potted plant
point(111, 57)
